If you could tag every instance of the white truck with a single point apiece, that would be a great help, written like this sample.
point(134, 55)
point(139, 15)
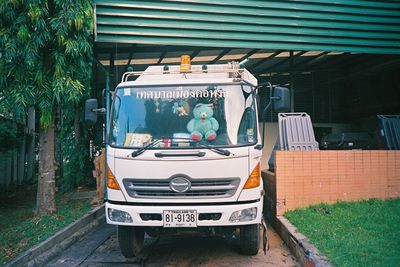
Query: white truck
point(183, 151)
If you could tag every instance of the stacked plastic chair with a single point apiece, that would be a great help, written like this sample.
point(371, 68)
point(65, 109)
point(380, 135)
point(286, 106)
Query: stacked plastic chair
point(390, 130)
point(296, 132)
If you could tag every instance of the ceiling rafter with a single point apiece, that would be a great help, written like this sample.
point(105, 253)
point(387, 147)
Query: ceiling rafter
point(311, 59)
point(130, 57)
point(326, 61)
point(162, 56)
point(306, 61)
point(321, 60)
point(221, 55)
point(262, 61)
point(249, 54)
point(284, 61)
point(281, 62)
point(194, 54)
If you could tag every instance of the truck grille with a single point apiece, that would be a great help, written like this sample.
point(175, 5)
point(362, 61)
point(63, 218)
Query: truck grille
point(200, 188)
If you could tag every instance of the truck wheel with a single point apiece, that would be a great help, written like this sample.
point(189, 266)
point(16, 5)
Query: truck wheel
point(250, 239)
point(130, 239)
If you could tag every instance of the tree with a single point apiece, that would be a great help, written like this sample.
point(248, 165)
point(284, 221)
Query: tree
point(45, 61)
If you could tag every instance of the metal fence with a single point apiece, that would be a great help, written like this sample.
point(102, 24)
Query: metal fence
point(17, 166)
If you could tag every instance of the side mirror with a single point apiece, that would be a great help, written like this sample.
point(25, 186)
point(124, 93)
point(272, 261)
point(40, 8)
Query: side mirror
point(281, 97)
point(90, 110)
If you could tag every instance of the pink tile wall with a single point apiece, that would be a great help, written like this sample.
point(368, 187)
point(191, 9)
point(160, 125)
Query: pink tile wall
point(304, 178)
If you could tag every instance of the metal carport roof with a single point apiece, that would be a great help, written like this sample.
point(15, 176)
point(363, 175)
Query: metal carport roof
point(322, 49)
point(329, 25)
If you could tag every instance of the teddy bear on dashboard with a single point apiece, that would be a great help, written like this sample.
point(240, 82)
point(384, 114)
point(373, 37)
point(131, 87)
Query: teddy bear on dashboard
point(203, 125)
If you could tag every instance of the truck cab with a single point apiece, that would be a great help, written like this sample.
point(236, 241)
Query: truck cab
point(183, 151)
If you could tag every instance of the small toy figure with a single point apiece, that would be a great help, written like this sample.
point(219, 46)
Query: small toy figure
point(203, 125)
point(180, 108)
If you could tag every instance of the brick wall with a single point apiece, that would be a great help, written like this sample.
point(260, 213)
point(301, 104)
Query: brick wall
point(304, 178)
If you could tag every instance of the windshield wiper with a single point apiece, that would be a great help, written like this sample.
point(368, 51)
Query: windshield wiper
point(220, 151)
point(149, 145)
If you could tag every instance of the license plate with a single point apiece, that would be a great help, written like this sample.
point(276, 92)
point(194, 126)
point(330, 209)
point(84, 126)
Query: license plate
point(180, 218)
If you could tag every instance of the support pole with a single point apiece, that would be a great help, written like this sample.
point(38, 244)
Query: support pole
point(291, 82)
point(112, 70)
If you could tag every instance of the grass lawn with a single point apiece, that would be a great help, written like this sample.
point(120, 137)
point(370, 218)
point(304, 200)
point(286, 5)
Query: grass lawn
point(365, 233)
point(20, 229)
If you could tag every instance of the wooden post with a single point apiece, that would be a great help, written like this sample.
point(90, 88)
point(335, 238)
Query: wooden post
point(100, 166)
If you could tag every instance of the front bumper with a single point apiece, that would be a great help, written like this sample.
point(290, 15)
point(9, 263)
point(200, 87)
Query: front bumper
point(226, 211)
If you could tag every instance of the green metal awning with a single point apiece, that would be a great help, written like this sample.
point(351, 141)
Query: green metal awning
point(311, 25)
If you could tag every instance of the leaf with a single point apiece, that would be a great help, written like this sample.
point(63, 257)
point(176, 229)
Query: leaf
point(45, 118)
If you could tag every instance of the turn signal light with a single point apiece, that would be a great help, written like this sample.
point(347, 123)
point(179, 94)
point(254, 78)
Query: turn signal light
point(111, 181)
point(254, 179)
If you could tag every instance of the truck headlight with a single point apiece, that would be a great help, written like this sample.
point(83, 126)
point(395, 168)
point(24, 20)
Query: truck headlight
point(244, 215)
point(119, 216)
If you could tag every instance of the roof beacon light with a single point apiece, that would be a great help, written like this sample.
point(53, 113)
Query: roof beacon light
point(185, 63)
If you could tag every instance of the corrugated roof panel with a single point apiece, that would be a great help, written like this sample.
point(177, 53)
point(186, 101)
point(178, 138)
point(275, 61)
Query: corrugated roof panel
point(346, 26)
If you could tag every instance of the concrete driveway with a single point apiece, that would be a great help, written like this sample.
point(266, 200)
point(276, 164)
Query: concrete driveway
point(100, 248)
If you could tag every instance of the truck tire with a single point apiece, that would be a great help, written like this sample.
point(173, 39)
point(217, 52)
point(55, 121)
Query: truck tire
point(250, 239)
point(130, 239)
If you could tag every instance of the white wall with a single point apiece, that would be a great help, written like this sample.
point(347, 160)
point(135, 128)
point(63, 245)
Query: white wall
point(271, 134)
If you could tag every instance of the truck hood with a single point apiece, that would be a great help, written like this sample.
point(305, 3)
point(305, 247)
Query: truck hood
point(211, 177)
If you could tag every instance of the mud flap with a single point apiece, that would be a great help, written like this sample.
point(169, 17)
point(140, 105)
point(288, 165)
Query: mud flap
point(265, 236)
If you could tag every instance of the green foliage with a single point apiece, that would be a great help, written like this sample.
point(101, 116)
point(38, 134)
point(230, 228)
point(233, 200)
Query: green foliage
point(45, 62)
point(20, 48)
point(77, 165)
point(20, 229)
point(46, 54)
point(76, 168)
point(364, 233)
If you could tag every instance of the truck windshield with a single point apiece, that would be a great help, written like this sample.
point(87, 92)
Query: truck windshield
point(215, 115)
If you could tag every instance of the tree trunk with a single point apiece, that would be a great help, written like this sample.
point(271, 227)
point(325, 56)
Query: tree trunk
point(46, 201)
